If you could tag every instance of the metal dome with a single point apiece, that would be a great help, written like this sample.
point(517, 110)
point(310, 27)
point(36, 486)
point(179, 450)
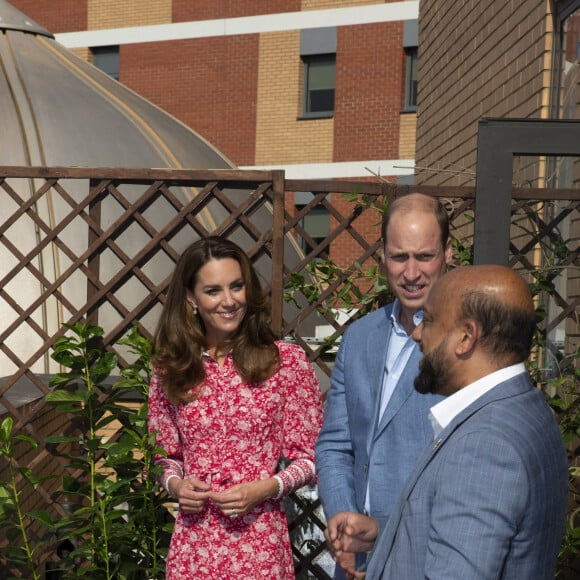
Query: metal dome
point(57, 109)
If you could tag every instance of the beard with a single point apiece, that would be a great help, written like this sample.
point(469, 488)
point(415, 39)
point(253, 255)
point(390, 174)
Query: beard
point(434, 374)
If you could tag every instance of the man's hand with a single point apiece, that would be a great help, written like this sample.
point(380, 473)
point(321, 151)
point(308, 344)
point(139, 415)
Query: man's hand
point(346, 561)
point(350, 532)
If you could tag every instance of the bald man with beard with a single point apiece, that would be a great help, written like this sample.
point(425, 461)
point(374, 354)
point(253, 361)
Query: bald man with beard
point(375, 423)
point(487, 499)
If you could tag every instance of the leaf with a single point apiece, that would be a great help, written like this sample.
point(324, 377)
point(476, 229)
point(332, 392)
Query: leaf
point(28, 439)
point(41, 516)
point(62, 396)
point(30, 476)
point(6, 428)
point(63, 379)
point(61, 439)
point(66, 358)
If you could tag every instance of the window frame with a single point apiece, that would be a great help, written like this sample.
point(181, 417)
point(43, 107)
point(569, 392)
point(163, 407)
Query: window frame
point(411, 65)
point(307, 60)
point(107, 55)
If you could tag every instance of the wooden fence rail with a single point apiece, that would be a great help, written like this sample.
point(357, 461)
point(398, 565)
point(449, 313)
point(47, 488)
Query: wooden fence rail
point(100, 244)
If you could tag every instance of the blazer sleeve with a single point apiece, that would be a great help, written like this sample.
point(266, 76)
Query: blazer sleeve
point(482, 494)
point(334, 451)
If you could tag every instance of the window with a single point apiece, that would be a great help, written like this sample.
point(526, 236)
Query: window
point(410, 44)
point(411, 79)
point(316, 223)
point(319, 84)
point(106, 58)
point(566, 65)
point(318, 53)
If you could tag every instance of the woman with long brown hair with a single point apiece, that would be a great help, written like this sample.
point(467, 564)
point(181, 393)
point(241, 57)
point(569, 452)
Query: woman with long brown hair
point(227, 401)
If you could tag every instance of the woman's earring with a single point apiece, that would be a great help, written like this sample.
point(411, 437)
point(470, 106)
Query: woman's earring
point(194, 308)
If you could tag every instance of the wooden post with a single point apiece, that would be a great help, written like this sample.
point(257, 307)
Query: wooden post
point(278, 181)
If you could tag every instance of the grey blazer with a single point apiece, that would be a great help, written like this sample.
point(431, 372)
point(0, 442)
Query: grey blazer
point(487, 499)
point(351, 451)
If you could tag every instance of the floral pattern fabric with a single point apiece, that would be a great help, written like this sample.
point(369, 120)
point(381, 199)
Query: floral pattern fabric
point(236, 432)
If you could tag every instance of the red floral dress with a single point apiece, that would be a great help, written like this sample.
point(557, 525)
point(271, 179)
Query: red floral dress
point(236, 432)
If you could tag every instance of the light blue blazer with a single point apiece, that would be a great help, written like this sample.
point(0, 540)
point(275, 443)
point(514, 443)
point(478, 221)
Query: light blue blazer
point(487, 499)
point(352, 451)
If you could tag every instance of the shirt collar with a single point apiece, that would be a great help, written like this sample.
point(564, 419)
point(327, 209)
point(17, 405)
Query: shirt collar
point(395, 312)
point(445, 411)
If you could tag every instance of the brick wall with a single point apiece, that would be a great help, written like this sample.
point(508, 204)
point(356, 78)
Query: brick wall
point(57, 15)
point(244, 94)
point(407, 135)
point(185, 10)
point(280, 136)
point(476, 59)
point(209, 84)
point(115, 14)
point(369, 87)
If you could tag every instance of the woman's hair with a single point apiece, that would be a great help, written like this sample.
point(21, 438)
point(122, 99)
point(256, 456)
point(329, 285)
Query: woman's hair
point(180, 336)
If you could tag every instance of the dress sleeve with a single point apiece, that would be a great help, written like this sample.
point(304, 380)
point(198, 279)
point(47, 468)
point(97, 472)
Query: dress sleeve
point(162, 421)
point(302, 419)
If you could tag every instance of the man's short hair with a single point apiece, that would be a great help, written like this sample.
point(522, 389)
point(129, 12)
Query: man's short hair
point(426, 204)
point(506, 330)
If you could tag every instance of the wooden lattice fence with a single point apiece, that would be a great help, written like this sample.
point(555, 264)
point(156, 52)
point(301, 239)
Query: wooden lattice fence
point(100, 244)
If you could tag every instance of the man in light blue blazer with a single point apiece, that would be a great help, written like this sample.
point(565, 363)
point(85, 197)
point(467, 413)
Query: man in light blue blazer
point(375, 422)
point(487, 499)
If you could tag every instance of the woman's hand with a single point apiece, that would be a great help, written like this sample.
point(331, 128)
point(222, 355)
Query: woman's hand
point(240, 499)
point(191, 493)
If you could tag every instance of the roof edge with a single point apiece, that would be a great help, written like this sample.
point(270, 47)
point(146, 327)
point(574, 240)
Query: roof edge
point(13, 19)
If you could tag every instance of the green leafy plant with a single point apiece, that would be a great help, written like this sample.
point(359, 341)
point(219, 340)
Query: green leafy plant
point(562, 394)
point(20, 549)
point(356, 288)
point(118, 525)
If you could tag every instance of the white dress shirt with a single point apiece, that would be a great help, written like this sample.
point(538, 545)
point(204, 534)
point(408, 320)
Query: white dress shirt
point(445, 411)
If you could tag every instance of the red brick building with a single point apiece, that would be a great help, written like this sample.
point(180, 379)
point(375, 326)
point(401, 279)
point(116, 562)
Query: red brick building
point(322, 88)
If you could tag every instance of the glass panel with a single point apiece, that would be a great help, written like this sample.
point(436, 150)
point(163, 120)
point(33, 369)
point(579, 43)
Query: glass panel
point(106, 58)
point(570, 75)
point(317, 222)
point(412, 68)
point(320, 72)
point(563, 172)
point(321, 100)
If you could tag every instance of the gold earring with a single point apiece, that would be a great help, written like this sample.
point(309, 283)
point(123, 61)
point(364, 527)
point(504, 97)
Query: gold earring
point(194, 308)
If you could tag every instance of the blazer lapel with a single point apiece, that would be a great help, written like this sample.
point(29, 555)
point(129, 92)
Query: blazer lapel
point(387, 537)
point(376, 348)
point(402, 392)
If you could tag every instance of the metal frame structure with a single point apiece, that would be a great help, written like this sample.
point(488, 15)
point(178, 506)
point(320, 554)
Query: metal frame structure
point(498, 141)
